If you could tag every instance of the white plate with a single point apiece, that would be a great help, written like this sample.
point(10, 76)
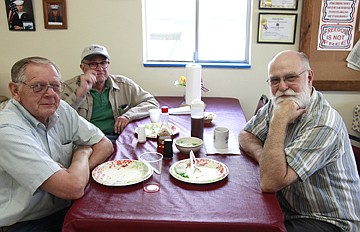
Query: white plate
point(151, 129)
point(121, 172)
point(209, 171)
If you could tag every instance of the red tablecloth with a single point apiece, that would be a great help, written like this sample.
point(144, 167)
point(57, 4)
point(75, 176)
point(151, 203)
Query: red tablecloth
point(233, 204)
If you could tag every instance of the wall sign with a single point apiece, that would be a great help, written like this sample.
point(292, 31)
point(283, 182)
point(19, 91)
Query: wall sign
point(337, 24)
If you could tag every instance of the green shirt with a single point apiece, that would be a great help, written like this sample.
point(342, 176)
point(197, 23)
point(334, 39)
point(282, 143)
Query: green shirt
point(102, 115)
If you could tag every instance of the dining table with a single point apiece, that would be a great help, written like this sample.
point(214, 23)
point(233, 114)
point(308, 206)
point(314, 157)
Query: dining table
point(235, 203)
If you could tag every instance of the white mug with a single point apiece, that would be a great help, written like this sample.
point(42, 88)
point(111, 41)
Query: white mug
point(221, 137)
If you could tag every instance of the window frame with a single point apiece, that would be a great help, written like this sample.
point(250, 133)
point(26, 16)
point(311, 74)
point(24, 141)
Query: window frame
point(204, 63)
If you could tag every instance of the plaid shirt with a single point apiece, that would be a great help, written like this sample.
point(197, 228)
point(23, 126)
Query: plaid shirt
point(318, 148)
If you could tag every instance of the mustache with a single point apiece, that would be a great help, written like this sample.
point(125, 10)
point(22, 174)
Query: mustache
point(300, 98)
point(288, 92)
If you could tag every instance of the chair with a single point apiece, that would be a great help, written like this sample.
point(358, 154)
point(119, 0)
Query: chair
point(356, 150)
point(3, 101)
point(262, 101)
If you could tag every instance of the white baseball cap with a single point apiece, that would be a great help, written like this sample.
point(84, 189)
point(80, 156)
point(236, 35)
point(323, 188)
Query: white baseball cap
point(92, 50)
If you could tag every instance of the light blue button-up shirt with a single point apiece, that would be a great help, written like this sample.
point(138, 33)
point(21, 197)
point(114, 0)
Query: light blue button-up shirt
point(29, 155)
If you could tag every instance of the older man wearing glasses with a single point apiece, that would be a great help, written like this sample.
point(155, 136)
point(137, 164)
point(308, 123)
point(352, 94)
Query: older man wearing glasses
point(47, 150)
point(302, 146)
point(108, 101)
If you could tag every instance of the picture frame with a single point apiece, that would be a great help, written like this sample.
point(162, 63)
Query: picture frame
point(20, 15)
point(277, 28)
point(278, 4)
point(54, 14)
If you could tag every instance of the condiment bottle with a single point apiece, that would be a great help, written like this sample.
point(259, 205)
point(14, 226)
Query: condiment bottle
point(197, 118)
point(164, 131)
point(168, 151)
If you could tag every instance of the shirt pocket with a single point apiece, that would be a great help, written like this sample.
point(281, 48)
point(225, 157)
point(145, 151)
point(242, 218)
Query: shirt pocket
point(66, 154)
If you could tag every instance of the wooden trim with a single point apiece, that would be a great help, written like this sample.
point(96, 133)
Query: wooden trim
point(329, 67)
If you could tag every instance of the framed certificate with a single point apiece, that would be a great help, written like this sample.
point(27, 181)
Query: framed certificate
point(277, 28)
point(278, 4)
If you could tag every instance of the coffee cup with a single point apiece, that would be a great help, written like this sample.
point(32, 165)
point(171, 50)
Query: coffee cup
point(221, 137)
point(154, 115)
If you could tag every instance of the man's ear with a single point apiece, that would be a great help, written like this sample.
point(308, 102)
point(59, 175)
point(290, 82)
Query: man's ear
point(310, 76)
point(82, 68)
point(14, 89)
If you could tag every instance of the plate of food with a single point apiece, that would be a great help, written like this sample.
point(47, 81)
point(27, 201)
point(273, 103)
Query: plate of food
point(121, 172)
point(206, 171)
point(151, 129)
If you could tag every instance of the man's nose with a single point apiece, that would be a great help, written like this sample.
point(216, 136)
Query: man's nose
point(283, 85)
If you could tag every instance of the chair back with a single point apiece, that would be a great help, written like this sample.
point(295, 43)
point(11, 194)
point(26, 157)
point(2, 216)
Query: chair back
point(262, 101)
point(3, 102)
point(356, 150)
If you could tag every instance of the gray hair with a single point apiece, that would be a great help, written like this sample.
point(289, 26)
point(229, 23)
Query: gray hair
point(18, 69)
point(305, 60)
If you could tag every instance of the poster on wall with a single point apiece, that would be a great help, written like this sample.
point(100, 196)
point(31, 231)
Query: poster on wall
point(337, 24)
point(20, 15)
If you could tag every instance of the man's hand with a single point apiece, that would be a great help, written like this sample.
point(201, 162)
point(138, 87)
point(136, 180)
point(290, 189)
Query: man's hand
point(287, 112)
point(120, 123)
point(87, 80)
point(70, 183)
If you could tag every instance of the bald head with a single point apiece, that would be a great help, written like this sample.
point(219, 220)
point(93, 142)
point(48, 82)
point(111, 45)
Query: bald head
point(289, 58)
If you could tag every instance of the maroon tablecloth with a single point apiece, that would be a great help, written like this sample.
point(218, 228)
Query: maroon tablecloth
point(233, 204)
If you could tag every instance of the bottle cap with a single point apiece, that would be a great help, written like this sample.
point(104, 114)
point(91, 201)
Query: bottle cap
point(197, 101)
point(164, 109)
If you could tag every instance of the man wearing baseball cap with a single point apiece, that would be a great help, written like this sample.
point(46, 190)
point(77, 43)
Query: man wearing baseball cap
point(108, 101)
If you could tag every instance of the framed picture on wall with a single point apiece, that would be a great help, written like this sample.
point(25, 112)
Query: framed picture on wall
point(20, 15)
point(277, 28)
point(55, 14)
point(278, 4)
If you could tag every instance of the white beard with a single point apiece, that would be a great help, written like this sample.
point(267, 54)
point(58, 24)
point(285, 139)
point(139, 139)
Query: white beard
point(302, 99)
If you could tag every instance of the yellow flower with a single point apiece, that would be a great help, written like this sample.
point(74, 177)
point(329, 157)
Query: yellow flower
point(181, 81)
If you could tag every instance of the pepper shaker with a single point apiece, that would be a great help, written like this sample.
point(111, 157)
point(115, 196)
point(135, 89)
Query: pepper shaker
point(168, 151)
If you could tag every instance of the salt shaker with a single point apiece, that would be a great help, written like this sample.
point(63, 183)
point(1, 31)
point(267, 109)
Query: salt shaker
point(141, 134)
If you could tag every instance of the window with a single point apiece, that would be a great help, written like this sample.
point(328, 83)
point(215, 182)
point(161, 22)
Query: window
point(210, 32)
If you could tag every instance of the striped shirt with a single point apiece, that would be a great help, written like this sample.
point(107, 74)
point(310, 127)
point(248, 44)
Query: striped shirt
point(318, 148)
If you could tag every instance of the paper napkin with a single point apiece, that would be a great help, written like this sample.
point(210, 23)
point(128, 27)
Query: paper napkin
point(180, 110)
point(232, 149)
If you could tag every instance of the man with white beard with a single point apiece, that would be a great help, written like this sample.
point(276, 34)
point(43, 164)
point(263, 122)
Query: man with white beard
point(304, 153)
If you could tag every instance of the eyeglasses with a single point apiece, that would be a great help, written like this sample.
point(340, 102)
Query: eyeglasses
point(289, 79)
point(42, 88)
point(94, 65)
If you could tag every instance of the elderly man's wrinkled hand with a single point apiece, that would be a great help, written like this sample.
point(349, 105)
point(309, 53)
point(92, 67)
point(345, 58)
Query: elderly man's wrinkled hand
point(120, 124)
point(288, 111)
point(87, 80)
